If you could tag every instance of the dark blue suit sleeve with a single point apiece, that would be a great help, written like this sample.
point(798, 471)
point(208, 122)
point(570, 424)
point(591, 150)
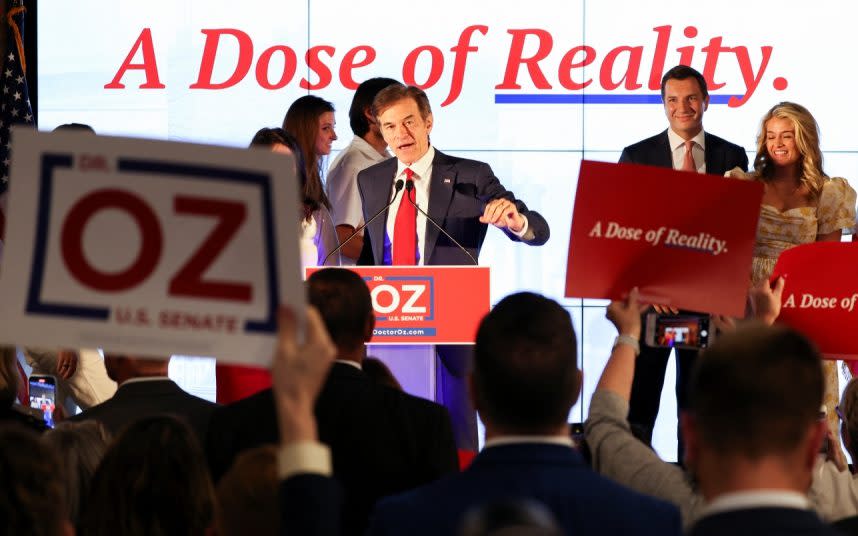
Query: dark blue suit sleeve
point(491, 188)
point(310, 505)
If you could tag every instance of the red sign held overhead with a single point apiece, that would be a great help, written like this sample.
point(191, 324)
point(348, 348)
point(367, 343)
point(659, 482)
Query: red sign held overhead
point(825, 309)
point(665, 232)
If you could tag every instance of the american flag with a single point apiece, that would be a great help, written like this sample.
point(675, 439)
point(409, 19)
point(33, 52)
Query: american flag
point(15, 106)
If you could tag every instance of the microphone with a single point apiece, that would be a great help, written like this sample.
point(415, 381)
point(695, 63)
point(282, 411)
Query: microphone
point(397, 187)
point(409, 187)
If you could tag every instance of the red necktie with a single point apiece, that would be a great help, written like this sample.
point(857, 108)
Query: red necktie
point(405, 227)
point(688, 163)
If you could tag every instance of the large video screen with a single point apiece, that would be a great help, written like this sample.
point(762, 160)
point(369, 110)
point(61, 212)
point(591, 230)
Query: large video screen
point(530, 88)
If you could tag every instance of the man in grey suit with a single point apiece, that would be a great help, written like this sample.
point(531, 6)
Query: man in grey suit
point(683, 146)
point(462, 196)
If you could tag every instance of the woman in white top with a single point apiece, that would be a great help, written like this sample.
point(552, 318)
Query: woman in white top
point(317, 233)
point(310, 120)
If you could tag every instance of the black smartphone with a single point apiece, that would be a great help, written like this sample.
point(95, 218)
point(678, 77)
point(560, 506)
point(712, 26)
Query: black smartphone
point(43, 396)
point(577, 429)
point(678, 331)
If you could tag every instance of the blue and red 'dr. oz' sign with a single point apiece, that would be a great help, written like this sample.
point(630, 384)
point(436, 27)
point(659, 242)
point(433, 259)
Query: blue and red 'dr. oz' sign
point(148, 248)
point(426, 304)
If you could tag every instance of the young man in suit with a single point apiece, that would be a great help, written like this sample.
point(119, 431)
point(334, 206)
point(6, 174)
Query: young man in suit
point(383, 441)
point(753, 431)
point(683, 146)
point(462, 196)
point(524, 382)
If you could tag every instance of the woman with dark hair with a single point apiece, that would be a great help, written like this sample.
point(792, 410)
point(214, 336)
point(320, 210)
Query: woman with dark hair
point(153, 480)
point(82, 445)
point(310, 120)
point(317, 233)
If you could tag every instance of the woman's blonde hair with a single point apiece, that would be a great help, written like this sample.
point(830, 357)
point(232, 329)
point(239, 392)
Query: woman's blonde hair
point(806, 139)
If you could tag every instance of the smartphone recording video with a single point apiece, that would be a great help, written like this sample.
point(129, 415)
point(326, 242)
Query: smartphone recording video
point(678, 331)
point(43, 396)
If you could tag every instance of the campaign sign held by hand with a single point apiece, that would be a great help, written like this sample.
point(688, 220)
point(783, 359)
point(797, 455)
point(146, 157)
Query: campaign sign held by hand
point(685, 240)
point(820, 297)
point(148, 248)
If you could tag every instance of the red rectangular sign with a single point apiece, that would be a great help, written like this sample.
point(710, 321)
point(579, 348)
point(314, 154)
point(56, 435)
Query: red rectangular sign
point(685, 240)
point(820, 296)
point(426, 304)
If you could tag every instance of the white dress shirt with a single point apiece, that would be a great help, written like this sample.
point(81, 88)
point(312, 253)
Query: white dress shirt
point(677, 148)
point(422, 169)
point(562, 441)
point(341, 180)
point(763, 498)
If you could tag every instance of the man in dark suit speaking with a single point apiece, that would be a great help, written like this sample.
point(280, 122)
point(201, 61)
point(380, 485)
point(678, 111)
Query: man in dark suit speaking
point(686, 147)
point(462, 196)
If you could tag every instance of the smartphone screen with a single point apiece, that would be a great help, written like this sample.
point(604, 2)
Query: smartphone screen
point(43, 396)
point(678, 331)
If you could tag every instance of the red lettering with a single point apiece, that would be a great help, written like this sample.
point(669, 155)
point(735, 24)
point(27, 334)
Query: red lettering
point(564, 71)
point(72, 240)
point(632, 68)
point(461, 51)
point(148, 65)
point(659, 56)
point(189, 280)
point(245, 59)
point(289, 67)
point(349, 64)
point(510, 77)
point(687, 53)
point(712, 50)
point(436, 68)
point(317, 66)
point(88, 161)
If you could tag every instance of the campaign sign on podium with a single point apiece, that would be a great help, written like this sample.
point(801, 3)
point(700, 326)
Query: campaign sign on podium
point(147, 247)
point(685, 240)
point(820, 296)
point(426, 304)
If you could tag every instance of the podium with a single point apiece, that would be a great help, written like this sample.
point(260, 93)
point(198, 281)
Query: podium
point(419, 307)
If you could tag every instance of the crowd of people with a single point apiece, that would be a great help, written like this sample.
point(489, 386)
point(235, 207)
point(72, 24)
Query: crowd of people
point(330, 444)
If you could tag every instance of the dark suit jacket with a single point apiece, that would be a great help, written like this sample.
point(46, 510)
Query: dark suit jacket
point(310, 505)
point(382, 440)
point(721, 155)
point(582, 501)
point(762, 522)
point(136, 400)
point(458, 195)
point(847, 525)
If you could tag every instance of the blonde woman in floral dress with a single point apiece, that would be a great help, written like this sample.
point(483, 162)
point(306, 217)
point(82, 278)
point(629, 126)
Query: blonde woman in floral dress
point(801, 204)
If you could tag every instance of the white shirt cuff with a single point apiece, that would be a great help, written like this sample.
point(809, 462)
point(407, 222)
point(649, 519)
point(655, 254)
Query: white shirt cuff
point(304, 457)
point(523, 230)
